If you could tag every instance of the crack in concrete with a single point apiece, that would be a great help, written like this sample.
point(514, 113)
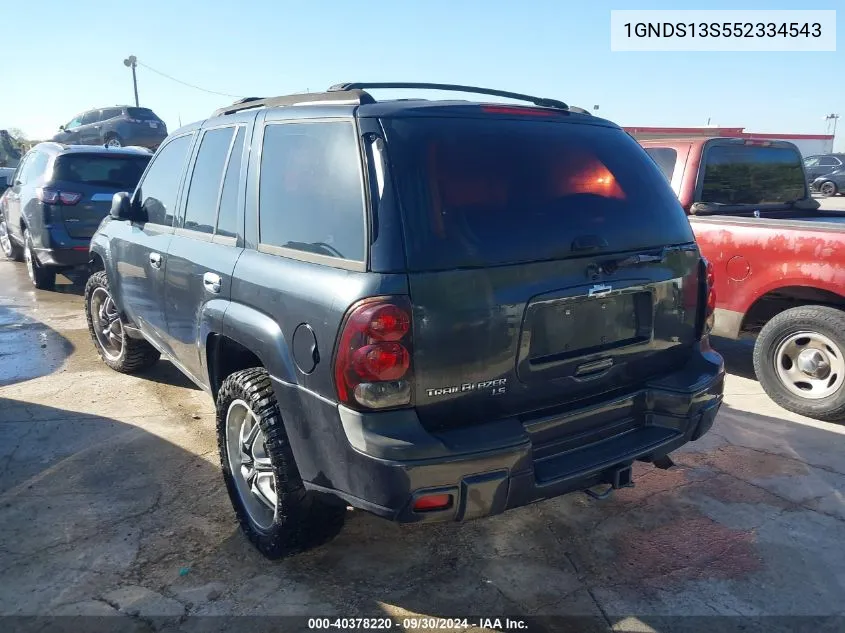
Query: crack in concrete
point(11, 456)
point(77, 540)
point(600, 607)
point(648, 500)
point(731, 444)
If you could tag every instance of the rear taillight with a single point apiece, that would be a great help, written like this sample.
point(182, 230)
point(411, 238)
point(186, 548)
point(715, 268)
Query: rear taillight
point(709, 277)
point(519, 110)
point(373, 361)
point(54, 196)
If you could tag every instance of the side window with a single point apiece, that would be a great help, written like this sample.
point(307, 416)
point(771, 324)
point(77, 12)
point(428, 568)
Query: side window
point(90, 117)
point(157, 192)
point(228, 215)
point(665, 157)
point(110, 113)
point(828, 161)
point(75, 122)
point(20, 172)
point(310, 195)
point(201, 207)
point(34, 168)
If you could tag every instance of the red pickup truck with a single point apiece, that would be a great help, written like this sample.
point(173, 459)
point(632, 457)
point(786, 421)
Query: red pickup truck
point(779, 262)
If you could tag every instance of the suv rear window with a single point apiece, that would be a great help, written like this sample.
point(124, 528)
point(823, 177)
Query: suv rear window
point(142, 114)
point(481, 192)
point(117, 172)
point(752, 174)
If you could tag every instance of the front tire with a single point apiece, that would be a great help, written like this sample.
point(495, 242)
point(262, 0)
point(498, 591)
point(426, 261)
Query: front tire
point(7, 244)
point(275, 511)
point(799, 359)
point(119, 351)
point(42, 277)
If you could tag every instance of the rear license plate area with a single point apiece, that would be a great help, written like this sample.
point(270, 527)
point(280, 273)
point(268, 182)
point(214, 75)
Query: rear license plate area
point(576, 328)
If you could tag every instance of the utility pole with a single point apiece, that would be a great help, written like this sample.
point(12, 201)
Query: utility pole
point(132, 62)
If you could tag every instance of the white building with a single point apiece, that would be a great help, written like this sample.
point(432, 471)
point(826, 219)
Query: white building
point(808, 144)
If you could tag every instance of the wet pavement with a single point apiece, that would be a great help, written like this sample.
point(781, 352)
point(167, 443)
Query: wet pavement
point(111, 503)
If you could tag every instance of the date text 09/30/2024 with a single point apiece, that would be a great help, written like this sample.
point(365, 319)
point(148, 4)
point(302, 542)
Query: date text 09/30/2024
point(417, 623)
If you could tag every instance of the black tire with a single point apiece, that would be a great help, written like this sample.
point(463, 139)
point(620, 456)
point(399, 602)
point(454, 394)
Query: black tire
point(42, 277)
point(829, 322)
point(135, 354)
point(828, 189)
point(110, 140)
point(10, 249)
point(301, 520)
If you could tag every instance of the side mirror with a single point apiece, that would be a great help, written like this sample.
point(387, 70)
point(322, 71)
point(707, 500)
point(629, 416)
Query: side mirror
point(121, 206)
point(62, 128)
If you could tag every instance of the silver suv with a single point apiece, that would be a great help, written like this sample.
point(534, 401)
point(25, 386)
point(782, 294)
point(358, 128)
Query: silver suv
point(118, 126)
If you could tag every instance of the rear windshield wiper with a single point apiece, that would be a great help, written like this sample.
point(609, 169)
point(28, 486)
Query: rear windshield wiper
point(635, 260)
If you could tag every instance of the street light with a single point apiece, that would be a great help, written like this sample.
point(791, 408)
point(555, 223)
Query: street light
point(834, 118)
point(132, 62)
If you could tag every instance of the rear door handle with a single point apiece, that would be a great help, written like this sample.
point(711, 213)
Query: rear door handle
point(155, 260)
point(211, 282)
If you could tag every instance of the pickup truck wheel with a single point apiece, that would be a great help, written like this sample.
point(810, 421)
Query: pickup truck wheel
point(799, 359)
point(827, 188)
point(41, 277)
point(273, 507)
point(119, 351)
point(7, 244)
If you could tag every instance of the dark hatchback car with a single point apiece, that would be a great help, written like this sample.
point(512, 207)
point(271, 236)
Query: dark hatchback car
point(57, 197)
point(118, 126)
point(819, 165)
point(830, 184)
point(428, 310)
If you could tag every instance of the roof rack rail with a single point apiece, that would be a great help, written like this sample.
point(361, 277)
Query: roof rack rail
point(539, 101)
point(350, 97)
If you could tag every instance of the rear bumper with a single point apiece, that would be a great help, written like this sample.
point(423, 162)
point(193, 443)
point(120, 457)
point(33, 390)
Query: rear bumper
point(57, 248)
point(382, 462)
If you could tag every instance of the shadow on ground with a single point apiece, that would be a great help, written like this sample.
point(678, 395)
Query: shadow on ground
point(738, 355)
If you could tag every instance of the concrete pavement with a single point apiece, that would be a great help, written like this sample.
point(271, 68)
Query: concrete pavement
point(111, 502)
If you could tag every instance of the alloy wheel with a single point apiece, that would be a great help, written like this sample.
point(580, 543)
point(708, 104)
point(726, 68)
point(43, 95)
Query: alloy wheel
point(5, 240)
point(108, 327)
point(250, 464)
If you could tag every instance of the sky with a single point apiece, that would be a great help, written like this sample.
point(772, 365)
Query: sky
point(62, 57)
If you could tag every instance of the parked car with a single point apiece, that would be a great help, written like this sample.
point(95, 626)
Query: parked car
point(508, 308)
point(779, 262)
point(58, 196)
point(823, 164)
point(118, 126)
point(10, 153)
point(6, 174)
point(830, 184)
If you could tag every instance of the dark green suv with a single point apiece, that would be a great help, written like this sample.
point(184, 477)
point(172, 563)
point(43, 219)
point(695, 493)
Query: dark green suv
point(428, 310)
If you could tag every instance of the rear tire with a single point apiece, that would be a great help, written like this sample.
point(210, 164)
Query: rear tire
point(113, 140)
point(42, 277)
point(828, 188)
point(800, 331)
point(275, 511)
point(118, 351)
point(7, 244)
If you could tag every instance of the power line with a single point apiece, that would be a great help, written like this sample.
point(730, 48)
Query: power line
point(185, 83)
